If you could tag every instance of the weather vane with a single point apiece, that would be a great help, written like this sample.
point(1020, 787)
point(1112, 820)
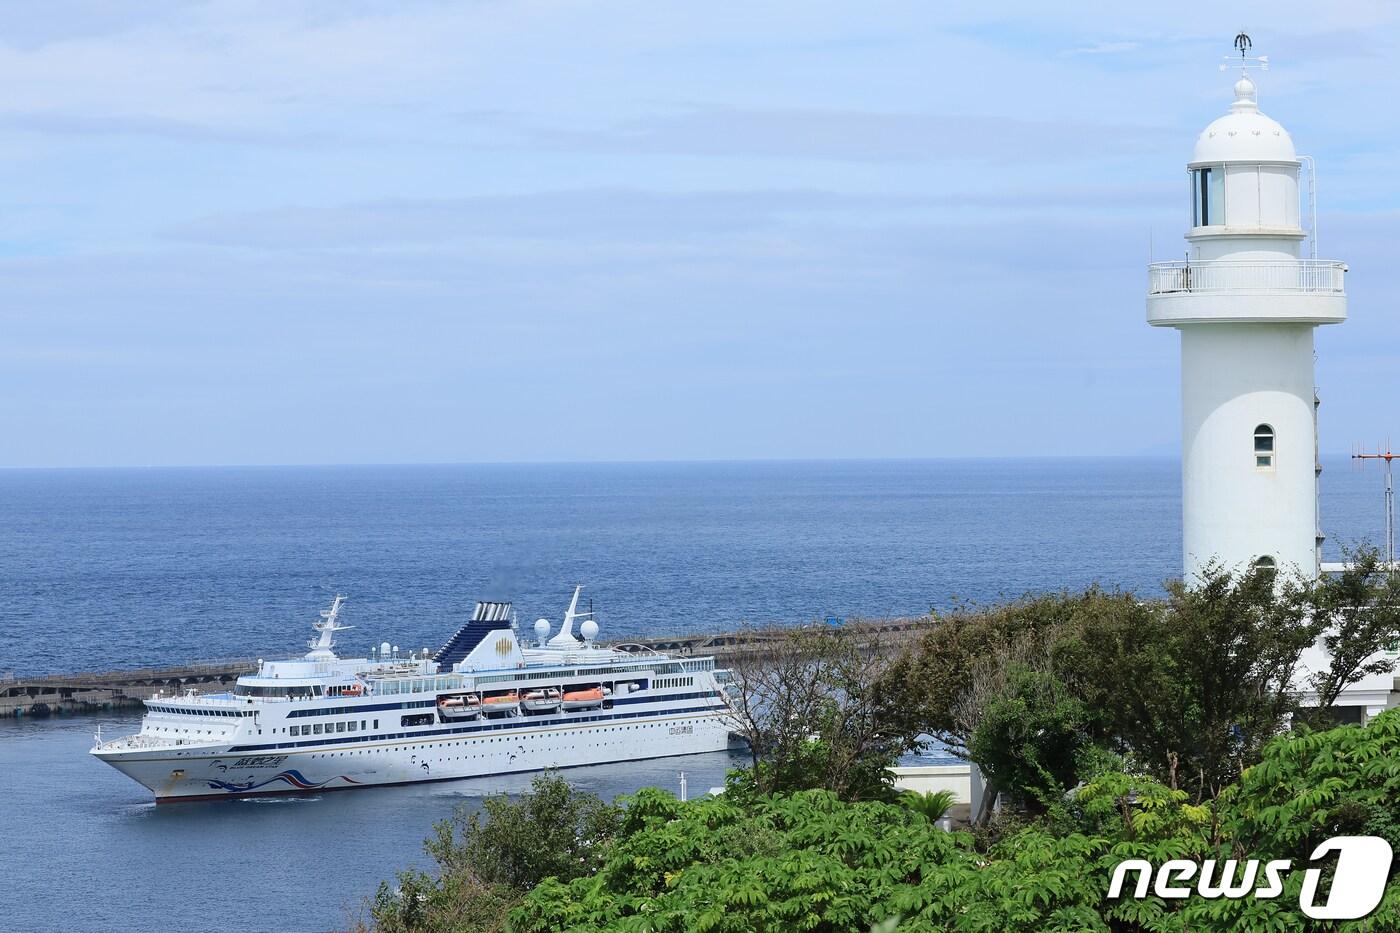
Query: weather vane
point(1243, 45)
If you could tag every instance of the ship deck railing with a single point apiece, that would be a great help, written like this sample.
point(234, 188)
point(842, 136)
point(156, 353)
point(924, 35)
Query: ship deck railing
point(143, 741)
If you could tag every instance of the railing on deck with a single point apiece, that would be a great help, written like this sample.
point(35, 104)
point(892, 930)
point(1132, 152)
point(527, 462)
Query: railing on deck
point(1283, 277)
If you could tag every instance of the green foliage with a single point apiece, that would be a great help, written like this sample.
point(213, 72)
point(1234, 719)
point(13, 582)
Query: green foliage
point(929, 682)
point(932, 805)
point(485, 860)
point(552, 831)
point(1357, 615)
point(809, 861)
point(1306, 789)
point(1136, 808)
point(833, 866)
point(451, 903)
point(825, 865)
point(1031, 736)
point(1190, 687)
point(806, 764)
point(1194, 686)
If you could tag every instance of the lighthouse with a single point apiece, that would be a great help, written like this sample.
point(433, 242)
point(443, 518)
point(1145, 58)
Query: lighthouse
point(1246, 303)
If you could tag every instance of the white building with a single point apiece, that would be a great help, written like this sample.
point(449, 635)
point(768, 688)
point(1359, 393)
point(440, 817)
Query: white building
point(1246, 303)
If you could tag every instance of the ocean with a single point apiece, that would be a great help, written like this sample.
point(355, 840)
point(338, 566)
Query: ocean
point(105, 569)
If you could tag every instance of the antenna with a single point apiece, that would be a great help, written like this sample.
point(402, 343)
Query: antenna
point(1385, 457)
point(1243, 45)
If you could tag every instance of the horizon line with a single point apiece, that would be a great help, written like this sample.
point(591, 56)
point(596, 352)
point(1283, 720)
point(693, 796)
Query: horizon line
point(619, 462)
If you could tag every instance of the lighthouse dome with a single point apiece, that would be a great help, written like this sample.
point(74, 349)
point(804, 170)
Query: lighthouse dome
point(1244, 134)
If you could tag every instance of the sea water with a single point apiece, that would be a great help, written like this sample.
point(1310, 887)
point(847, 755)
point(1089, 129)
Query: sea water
point(107, 569)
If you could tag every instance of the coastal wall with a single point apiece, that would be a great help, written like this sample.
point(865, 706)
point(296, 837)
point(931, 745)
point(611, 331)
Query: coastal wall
point(60, 694)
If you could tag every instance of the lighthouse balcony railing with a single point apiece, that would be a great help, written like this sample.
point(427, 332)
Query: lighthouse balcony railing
point(1247, 277)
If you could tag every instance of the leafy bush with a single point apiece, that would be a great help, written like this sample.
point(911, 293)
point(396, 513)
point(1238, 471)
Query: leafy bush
point(932, 805)
point(484, 861)
point(1031, 736)
point(809, 861)
point(552, 831)
point(823, 865)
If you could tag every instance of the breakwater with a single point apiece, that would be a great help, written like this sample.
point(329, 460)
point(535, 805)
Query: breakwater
point(60, 694)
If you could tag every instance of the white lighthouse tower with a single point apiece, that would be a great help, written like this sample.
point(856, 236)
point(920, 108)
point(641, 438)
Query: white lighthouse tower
point(1246, 303)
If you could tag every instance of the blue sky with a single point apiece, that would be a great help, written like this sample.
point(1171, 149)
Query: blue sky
point(362, 232)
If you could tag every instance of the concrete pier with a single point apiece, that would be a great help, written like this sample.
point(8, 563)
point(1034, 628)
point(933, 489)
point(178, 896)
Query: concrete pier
point(84, 693)
point(56, 694)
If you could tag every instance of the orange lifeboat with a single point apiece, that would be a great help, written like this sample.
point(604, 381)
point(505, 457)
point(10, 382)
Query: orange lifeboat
point(587, 698)
point(500, 704)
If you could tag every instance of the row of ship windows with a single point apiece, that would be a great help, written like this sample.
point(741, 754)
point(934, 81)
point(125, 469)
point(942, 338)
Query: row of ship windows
point(181, 711)
point(663, 682)
point(343, 710)
point(620, 673)
point(331, 727)
point(515, 739)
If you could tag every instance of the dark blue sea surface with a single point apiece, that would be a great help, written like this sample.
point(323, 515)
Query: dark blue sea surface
point(105, 569)
point(124, 568)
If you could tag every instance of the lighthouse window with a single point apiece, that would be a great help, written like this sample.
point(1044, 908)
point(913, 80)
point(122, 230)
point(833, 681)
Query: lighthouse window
point(1208, 196)
point(1264, 447)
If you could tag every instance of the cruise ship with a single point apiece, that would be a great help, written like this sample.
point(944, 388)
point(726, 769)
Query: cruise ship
point(484, 704)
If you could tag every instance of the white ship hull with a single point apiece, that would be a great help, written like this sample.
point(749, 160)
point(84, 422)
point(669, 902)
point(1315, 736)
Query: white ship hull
point(213, 772)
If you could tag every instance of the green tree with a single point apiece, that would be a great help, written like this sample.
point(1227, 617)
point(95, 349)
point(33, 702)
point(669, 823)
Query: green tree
point(823, 864)
point(928, 687)
point(810, 706)
point(1356, 616)
point(485, 860)
point(551, 831)
point(1196, 685)
point(1032, 737)
point(1305, 789)
point(420, 902)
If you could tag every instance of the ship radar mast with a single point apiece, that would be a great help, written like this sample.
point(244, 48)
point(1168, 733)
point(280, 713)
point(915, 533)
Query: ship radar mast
point(564, 638)
point(322, 644)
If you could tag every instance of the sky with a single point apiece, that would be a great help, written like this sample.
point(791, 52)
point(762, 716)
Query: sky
point(399, 232)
